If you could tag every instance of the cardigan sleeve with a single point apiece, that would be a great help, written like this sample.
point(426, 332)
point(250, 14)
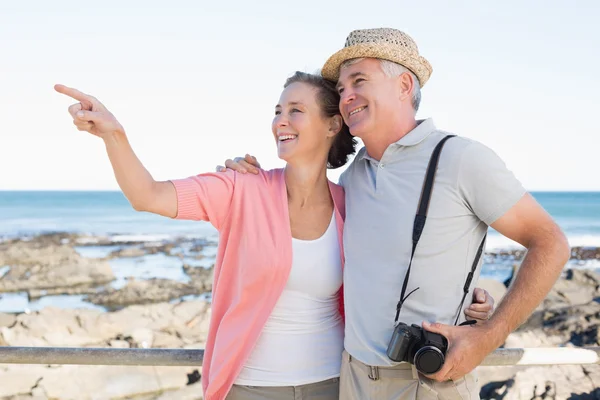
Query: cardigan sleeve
point(205, 197)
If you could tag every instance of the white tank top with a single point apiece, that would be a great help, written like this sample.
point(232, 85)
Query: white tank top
point(303, 339)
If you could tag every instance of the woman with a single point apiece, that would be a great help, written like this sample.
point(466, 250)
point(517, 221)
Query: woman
point(276, 326)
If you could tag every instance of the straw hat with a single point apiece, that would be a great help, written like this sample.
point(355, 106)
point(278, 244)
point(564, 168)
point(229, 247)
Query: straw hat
point(385, 43)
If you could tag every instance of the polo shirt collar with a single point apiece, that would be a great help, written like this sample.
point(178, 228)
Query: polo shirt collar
point(423, 129)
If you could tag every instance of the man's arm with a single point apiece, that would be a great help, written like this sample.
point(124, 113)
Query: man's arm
point(547, 253)
point(495, 196)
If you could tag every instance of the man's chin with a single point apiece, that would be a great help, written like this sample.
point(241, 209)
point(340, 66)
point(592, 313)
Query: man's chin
point(358, 130)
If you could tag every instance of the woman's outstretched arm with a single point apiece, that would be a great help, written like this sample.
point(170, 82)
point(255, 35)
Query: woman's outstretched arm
point(143, 192)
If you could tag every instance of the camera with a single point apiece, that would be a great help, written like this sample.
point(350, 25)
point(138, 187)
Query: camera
point(425, 350)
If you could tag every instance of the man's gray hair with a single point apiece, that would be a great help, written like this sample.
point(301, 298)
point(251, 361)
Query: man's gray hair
point(392, 69)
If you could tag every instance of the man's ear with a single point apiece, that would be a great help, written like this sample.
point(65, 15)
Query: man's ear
point(335, 125)
point(405, 85)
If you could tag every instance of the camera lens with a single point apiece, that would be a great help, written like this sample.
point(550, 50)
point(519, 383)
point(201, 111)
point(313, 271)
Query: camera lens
point(429, 360)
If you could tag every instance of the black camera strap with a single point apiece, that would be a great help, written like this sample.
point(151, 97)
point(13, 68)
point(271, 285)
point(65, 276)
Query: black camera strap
point(470, 277)
point(419, 224)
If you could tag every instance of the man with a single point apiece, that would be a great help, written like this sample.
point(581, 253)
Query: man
point(379, 74)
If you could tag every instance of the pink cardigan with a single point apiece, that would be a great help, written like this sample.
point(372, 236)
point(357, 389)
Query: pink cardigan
point(253, 261)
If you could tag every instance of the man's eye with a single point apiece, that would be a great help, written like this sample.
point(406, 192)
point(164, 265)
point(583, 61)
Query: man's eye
point(359, 80)
point(294, 110)
point(340, 90)
point(277, 112)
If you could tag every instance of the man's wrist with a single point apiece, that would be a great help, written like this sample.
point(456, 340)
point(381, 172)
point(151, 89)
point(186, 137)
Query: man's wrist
point(497, 331)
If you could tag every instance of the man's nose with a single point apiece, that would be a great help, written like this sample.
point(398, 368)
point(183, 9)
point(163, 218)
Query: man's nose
point(347, 96)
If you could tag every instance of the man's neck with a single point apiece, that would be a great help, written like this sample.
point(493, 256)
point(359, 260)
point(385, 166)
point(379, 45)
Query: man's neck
point(378, 142)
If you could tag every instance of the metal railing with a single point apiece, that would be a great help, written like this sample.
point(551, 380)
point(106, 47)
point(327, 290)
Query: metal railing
point(193, 357)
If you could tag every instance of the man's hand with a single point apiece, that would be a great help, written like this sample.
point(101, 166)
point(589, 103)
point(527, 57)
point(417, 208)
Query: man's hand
point(467, 348)
point(241, 164)
point(89, 114)
point(482, 307)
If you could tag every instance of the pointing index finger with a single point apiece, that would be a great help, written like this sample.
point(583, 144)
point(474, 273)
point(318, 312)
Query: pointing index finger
point(73, 93)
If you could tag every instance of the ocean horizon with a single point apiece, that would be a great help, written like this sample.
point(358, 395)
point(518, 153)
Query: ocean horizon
point(107, 213)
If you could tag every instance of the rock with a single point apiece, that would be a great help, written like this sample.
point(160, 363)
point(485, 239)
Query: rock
point(164, 248)
point(166, 340)
point(141, 248)
point(7, 320)
point(495, 289)
point(547, 382)
point(584, 277)
point(110, 382)
point(50, 327)
point(568, 316)
point(202, 278)
point(144, 337)
point(576, 288)
point(97, 382)
point(186, 321)
point(585, 253)
point(119, 344)
point(554, 382)
point(53, 266)
point(180, 325)
point(532, 338)
point(577, 324)
point(84, 289)
point(143, 292)
point(49, 239)
point(496, 389)
point(516, 254)
point(189, 392)
point(128, 252)
point(197, 247)
point(17, 379)
point(38, 394)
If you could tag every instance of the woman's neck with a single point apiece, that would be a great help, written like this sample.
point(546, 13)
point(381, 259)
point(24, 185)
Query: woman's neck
point(307, 185)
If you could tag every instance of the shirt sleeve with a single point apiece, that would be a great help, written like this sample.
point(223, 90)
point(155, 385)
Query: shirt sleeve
point(205, 197)
point(341, 179)
point(489, 188)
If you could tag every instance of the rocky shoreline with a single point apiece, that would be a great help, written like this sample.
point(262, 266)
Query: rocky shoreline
point(161, 312)
point(50, 265)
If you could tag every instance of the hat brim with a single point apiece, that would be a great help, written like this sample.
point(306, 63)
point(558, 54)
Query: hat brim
point(416, 63)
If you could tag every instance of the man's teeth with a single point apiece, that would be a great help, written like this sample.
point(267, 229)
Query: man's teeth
point(286, 137)
point(357, 110)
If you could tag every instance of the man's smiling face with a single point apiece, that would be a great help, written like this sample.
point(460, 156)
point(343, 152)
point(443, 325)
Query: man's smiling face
point(368, 97)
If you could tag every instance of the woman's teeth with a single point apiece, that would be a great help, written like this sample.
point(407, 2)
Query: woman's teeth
point(286, 137)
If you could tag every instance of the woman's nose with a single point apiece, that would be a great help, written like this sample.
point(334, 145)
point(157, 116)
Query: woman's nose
point(281, 120)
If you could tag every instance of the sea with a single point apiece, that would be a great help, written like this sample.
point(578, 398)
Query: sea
point(24, 214)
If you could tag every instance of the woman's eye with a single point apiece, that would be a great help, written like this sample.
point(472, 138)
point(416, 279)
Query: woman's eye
point(359, 80)
point(340, 90)
point(277, 112)
point(294, 110)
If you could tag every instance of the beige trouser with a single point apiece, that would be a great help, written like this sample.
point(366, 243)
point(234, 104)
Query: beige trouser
point(362, 382)
point(325, 390)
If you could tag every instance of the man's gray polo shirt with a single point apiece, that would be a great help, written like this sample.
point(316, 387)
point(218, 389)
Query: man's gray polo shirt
point(472, 189)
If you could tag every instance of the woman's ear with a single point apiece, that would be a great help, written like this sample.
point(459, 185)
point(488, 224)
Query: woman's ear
point(335, 125)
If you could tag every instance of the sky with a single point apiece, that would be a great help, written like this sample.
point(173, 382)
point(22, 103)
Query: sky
point(195, 83)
